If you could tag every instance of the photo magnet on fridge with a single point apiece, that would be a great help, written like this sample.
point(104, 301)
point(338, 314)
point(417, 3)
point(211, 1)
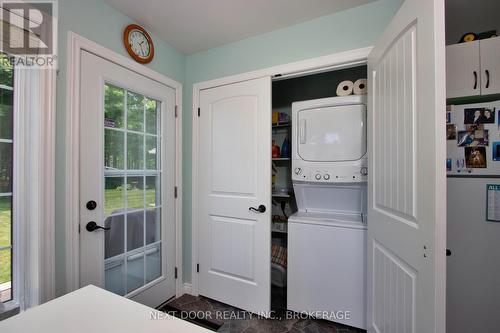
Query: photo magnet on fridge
point(451, 132)
point(479, 116)
point(475, 157)
point(472, 138)
point(474, 127)
point(496, 151)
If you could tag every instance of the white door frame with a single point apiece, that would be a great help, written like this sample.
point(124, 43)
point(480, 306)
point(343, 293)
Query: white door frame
point(76, 44)
point(319, 64)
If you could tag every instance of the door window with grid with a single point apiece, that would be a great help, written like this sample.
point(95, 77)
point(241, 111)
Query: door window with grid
point(132, 202)
point(6, 166)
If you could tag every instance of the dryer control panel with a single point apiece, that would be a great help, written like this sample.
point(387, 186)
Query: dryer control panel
point(325, 173)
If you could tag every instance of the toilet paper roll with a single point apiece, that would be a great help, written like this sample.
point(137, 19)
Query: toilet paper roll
point(345, 88)
point(360, 87)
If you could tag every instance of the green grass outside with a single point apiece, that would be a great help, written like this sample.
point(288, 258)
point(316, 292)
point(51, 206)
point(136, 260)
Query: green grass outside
point(114, 199)
point(5, 235)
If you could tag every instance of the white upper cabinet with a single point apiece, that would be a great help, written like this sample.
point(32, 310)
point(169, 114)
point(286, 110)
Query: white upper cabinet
point(463, 70)
point(490, 66)
point(473, 68)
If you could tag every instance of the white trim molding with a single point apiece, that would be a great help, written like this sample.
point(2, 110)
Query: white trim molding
point(76, 44)
point(187, 288)
point(303, 67)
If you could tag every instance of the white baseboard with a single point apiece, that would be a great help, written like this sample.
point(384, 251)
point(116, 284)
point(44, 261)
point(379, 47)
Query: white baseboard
point(187, 288)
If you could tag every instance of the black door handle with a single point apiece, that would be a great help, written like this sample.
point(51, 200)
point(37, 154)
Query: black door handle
point(261, 209)
point(487, 79)
point(448, 252)
point(92, 226)
point(475, 80)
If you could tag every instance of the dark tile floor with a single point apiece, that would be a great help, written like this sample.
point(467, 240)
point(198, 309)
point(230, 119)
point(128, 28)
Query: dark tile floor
point(233, 320)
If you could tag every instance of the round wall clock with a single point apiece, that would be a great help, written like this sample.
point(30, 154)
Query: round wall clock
point(138, 43)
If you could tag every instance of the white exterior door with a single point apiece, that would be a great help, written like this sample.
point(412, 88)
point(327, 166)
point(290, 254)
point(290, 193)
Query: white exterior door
point(234, 175)
point(127, 161)
point(407, 180)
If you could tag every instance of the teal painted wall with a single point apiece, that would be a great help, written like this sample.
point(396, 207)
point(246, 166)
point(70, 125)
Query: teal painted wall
point(102, 24)
point(354, 28)
point(93, 19)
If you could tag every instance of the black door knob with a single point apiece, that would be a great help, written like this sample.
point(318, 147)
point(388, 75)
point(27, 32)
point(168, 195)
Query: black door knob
point(92, 226)
point(448, 252)
point(260, 209)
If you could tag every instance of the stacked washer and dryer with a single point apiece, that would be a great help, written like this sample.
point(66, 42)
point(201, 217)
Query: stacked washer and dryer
point(327, 235)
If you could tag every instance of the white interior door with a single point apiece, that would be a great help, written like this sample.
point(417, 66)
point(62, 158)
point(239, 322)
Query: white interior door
point(234, 174)
point(127, 161)
point(407, 182)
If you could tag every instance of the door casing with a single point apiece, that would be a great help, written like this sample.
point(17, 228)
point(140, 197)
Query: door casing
point(77, 44)
point(316, 65)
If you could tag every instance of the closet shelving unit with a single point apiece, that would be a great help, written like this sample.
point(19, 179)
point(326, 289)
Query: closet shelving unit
point(281, 195)
point(284, 165)
point(282, 125)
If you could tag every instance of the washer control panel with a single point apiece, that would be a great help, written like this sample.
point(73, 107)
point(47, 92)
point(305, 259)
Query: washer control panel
point(338, 174)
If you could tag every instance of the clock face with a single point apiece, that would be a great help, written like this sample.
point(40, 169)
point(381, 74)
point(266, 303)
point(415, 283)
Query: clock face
point(139, 43)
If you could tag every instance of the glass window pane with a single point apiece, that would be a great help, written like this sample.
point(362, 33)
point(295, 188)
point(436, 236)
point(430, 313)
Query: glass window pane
point(153, 225)
point(135, 192)
point(153, 263)
point(113, 106)
point(114, 195)
point(132, 198)
point(6, 124)
point(135, 271)
point(151, 152)
point(135, 112)
point(135, 151)
point(151, 119)
point(5, 221)
point(114, 238)
point(5, 167)
point(152, 195)
point(6, 71)
point(114, 150)
point(5, 266)
point(135, 230)
point(115, 273)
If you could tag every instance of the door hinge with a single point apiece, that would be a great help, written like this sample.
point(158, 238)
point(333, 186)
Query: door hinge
point(176, 108)
point(175, 192)
point(199, 112)
point(197, 268)
point(175, 274)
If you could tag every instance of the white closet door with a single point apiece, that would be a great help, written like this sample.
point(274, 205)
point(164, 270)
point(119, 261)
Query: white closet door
point(407, 182)
point(235, 175)
point(463, 76)
point(490, 66)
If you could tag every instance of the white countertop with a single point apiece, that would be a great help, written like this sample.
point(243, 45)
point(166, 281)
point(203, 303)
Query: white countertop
point(94, 310)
